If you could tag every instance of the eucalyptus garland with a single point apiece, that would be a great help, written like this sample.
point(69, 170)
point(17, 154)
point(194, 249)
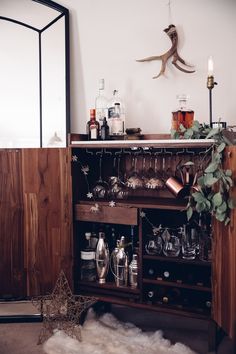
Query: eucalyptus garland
point(215, 182)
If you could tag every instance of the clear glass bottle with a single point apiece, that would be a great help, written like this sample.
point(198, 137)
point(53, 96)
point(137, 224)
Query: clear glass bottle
point(92, 128)
point(183, 115)
point(101, 103)
point(116, 115)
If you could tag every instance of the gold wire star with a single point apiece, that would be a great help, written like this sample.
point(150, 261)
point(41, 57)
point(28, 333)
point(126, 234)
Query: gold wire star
point(61, 310)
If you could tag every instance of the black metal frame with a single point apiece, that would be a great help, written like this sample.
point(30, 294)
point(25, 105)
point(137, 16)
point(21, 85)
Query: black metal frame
point(64, 13)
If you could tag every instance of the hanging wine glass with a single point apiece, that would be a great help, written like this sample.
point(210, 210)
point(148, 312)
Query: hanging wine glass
point(117, 189)
point(100, 189)
point(155, 179)
point(134, 181)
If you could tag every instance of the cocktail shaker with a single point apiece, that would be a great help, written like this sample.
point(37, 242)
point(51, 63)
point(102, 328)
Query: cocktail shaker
point(102, 258)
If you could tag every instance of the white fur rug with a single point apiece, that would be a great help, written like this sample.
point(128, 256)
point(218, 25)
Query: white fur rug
point(107, 335)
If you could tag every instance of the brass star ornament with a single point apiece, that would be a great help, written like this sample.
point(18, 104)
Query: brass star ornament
point(61, 310)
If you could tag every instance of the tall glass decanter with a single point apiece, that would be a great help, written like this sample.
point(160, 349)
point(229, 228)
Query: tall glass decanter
point(183, 115)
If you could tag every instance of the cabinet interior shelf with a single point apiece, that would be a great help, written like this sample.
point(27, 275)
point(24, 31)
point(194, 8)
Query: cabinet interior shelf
point(178, 260)
point(190, 313)
point(109, 286)
point(176, 284)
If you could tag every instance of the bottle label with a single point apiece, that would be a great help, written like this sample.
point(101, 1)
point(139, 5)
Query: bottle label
point(93, 132)
point(117, 126)
point(87, 255)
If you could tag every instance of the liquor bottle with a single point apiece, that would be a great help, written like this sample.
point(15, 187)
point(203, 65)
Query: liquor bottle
point(183, 115)
point(92, 126)
point(117, 125)
point(94, 238)
point(101, 103)
point(87, 255)
point(116, 103)
point(151, 273)
point(172, 297)
point(105, 130)
point(151, 296)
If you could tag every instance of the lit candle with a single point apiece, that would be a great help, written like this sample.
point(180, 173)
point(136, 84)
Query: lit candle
point(210, 66)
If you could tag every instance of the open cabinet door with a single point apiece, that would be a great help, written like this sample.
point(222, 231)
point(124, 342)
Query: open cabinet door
point(47, 200)
point(224, 263)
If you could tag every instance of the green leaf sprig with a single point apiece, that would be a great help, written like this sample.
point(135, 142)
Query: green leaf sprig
point(212, 194)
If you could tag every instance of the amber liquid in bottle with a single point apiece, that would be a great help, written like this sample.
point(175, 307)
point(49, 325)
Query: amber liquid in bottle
point(92, 126)
point(182, 116)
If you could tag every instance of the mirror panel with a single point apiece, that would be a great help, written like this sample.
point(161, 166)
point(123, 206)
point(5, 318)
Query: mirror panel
point(34, 85)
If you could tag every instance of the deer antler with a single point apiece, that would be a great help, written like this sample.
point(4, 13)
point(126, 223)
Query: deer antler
point(172, 33)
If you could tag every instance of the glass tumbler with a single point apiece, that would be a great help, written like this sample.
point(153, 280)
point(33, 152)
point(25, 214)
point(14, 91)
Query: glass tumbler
point(189, 242)
point(172, 245)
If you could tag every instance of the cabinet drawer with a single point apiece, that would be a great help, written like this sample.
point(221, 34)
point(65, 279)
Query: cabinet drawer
point(111, 215)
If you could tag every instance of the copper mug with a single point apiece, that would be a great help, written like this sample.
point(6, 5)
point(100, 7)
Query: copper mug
point(175, 187)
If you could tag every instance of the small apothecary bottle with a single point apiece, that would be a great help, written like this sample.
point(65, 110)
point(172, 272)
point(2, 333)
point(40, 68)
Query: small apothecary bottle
point(183, 115)
point(92, 126)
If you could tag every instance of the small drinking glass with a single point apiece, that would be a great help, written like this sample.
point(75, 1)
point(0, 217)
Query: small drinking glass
point(172, 244)
point(154, 245)
point(189, 242)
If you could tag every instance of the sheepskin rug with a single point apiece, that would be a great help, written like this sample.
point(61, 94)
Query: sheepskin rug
point(107, 335)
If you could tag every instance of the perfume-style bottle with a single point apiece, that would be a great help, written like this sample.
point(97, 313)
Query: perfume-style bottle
point(183, 115)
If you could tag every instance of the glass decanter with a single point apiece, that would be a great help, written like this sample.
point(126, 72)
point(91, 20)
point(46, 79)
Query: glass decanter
point(183, 115)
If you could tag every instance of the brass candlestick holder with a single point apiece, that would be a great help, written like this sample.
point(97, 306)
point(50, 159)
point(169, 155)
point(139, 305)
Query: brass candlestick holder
point(210, 85)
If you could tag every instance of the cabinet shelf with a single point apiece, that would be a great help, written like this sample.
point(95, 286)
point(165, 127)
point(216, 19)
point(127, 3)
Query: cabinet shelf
point(109, 286)
point(176, 284)
point(190, 313)
point(196, 262)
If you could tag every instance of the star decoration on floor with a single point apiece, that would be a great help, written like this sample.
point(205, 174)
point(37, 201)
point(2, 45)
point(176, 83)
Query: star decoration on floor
point(61, 310)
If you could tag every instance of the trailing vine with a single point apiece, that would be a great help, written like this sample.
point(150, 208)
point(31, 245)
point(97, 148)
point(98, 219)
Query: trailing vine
point(212, 194)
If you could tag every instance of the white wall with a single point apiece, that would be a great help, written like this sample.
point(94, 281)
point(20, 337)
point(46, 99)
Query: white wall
point(107, 36)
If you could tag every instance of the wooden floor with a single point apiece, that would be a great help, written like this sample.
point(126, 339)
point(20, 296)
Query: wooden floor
point(21, 338)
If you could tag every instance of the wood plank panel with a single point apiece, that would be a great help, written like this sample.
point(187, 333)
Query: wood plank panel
point(12, 284)
point(117, 215)
point(224, 265)
point(48, 217)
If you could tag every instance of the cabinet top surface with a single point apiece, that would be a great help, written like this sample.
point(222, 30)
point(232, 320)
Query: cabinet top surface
point(143, 143)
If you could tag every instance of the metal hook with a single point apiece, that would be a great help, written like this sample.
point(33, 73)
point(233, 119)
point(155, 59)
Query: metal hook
point(89, 152)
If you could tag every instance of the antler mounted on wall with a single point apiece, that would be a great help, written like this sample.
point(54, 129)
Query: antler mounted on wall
point(172, 33)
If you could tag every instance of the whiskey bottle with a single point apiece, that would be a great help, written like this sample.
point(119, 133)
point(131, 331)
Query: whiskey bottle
point(182, 116)
point(101, 103)
point(92, 126)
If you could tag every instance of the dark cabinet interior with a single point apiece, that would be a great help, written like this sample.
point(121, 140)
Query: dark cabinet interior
point(165, 283)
